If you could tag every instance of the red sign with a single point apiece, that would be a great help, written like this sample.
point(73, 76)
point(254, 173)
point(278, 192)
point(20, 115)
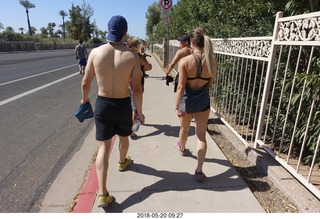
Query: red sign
point(166, 4)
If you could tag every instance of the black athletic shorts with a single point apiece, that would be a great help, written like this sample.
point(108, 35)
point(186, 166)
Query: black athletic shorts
point(112, 117)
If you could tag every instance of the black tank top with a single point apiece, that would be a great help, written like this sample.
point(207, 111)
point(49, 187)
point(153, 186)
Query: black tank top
point(198, 100)
point(199, 69)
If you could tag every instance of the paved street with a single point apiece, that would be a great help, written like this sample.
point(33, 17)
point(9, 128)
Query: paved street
point(39, 93)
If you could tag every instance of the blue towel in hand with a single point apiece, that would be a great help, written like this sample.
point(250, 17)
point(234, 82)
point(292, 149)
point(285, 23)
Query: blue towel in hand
point(84, 112)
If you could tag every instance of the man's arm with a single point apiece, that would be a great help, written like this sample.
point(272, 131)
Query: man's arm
point(86, 52)
point(146, 65)
point(87, 79)
point(76, 51)
point(174, 61)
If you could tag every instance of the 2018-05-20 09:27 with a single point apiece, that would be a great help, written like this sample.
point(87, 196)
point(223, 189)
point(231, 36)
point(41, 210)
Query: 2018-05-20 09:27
point(159, 215)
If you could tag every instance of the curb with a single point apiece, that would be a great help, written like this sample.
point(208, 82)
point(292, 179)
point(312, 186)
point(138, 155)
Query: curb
point(88, 194)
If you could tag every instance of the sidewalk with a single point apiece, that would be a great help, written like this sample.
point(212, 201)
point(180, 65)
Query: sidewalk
point(160, 179)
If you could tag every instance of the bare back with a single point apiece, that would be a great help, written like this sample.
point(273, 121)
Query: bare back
point(113, 65)
point(183, 52)
point(189, 68)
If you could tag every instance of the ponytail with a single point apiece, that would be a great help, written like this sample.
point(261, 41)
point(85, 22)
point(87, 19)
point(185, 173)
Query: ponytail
point(209, 56)
point(200, 38)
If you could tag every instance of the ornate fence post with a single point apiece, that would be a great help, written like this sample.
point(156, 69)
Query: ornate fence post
point(265, 96)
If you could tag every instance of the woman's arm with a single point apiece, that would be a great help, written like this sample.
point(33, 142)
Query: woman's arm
point(181, 84)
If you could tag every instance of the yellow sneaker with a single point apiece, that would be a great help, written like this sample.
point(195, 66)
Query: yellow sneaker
point(104, 200)
point(124, 166)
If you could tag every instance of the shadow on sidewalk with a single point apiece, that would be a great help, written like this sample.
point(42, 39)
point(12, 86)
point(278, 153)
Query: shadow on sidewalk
point(167, 130)
point(179, 181)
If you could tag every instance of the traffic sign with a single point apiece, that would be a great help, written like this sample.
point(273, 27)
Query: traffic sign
point(166, 4)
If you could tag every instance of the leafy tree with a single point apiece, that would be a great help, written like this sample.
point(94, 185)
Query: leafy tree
point(33, 30)
point(9, 35)
point(63, 14)
point(68, 26)
point(27, 5)
point(21, 29)
point(9, 29)
point(1, 26)
point(50, 28)
point(153, 18)
point(102, 35)
point(80, 26)
point(43, 32)
point(160, 31)
point(295, 7)
point(228, 18)
point(58, 33)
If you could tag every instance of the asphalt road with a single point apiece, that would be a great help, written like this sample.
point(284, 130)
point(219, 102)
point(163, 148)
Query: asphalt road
point(39, 93)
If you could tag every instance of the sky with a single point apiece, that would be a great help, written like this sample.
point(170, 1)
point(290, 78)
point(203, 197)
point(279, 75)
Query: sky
point(13, 14)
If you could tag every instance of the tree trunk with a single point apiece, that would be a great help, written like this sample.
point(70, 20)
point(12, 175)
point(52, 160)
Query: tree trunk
point(64, 29)
point(314, 4)
point(29, 26)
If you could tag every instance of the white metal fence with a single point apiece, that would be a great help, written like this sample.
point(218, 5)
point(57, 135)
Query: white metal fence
point(267, 92)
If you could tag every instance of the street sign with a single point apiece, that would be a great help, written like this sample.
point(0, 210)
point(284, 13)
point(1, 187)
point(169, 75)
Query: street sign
point(166, 4)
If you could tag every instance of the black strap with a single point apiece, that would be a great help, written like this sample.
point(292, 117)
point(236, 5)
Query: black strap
point(199, 65)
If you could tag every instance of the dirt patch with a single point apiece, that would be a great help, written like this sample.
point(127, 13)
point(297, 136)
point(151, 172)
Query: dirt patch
point(268, 195)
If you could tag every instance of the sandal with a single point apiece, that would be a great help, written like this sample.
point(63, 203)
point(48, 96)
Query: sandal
point(182, 152)
point(199, 176)
point(124, 166)
point(104, 200)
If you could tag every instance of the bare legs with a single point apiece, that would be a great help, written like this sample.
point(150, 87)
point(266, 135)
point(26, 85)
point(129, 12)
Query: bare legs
point(102, 160)
point(82, 69)
point(102, 164)
point(123, 148)
point(184, 130)
point(201, 120)
point(201, 129)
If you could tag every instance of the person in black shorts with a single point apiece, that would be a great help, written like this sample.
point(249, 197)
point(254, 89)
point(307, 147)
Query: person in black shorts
point(115, 67)
point(112, 116)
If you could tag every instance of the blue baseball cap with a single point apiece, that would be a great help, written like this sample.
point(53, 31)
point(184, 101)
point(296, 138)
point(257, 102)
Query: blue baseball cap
point(117, 27)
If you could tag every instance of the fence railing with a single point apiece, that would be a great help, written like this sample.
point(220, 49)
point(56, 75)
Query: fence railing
point(267, 92)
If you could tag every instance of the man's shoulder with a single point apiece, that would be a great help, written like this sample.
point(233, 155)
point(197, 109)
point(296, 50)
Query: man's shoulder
point(185, 51)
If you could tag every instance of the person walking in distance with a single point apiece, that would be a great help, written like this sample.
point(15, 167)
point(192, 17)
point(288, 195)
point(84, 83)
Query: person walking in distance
point(81, 54)
point(197, 73)
point(184, 50)
point(115, 67)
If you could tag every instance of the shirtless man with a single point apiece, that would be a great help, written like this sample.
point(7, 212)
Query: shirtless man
point(114, 66)
point(184, 50)
point(81, 53)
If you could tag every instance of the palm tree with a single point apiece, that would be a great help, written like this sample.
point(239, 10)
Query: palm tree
point(21, 30)
point(50, 28)
point(63, 14)
point(27, 5)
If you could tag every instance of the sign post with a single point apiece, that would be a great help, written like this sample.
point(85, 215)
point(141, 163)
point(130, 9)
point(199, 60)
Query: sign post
point(166, 6)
